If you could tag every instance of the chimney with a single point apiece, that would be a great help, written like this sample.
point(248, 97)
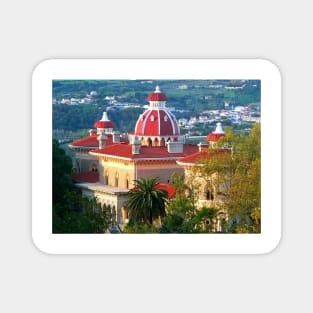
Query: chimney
point(175, 146)
point(116, 137)
point(200, 146)
point(136, 145)
point(91, 132)
point(102, 138)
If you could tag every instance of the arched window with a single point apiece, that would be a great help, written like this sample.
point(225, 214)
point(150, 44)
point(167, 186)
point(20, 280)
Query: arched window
point(116, 180)
point(114, 214)
point(209, 195)
point(155, 142)
point(149, 142)
point(127, 182)
point(106, 178)
point(93, 167)
point(78, 166)
point(162, 142)
point(124, 213)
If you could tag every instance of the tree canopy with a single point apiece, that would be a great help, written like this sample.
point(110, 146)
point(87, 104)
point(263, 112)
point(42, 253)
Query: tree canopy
point(146, 202)
point(238, 179)
point(71, 212)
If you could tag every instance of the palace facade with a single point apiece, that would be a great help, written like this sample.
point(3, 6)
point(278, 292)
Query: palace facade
point(107, 164)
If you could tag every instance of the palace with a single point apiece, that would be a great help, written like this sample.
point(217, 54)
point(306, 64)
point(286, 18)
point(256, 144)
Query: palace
point(108, 164)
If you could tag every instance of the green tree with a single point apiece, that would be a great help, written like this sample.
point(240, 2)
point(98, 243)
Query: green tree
point(146, 202)
point(71, 212)
point(237, 178)
point(183, 217)
point(61, 169)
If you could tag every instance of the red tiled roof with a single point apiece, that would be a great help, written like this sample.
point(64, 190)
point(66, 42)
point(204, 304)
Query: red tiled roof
point(205, 154)
point(171, 190)
point(91, 141)
point(157, 96)
point(87, 177)
point(214, 137)
point(125, 151)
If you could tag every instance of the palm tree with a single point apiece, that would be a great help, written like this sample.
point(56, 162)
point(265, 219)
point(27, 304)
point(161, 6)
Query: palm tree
point(146, 202)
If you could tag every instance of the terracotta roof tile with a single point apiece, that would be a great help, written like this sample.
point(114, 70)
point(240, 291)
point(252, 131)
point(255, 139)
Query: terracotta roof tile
point(90, 141)
point(214, 137)
point(125, 151)
point(200, 155)
point(157, 96)
point(171, 190)
point(104, 124)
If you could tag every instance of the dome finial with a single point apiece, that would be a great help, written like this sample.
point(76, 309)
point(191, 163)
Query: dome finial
point(105, 117)
point(157, 89)
point(219, 129)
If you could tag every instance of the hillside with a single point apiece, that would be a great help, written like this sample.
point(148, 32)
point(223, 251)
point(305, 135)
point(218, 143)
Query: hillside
point(77, 104)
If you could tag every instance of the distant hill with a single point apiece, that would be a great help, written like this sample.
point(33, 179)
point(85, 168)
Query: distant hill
point(190, 97)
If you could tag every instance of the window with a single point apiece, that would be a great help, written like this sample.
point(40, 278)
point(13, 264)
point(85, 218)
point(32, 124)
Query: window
point(116, 180)
point(209, 195)
point(93, 167)
point(106, 178)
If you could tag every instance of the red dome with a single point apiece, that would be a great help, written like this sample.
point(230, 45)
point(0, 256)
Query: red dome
point(104, 124)
point(156, 123)
point(157, 96)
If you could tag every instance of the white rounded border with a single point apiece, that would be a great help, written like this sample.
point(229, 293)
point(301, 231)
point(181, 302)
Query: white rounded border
point(50, 70)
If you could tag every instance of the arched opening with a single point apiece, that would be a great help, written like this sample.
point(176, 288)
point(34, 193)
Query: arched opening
point(106, 178)
point(155, 142)
point(93, 167)
point(113, 214)
point(149, 142)
point(127, 183)
point(116, 180)
point(209, 195)
point(77, 166)
point(162, 142)
point(124, 213)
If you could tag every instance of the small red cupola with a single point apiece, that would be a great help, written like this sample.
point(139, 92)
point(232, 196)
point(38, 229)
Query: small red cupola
point(104, 123)
point(157, 95)
point(217, 134)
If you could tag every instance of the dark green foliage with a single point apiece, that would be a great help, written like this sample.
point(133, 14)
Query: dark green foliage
point(71, 212)
point(134, 228)
point(183, 217)
point(74, 118)
point(62, 169)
